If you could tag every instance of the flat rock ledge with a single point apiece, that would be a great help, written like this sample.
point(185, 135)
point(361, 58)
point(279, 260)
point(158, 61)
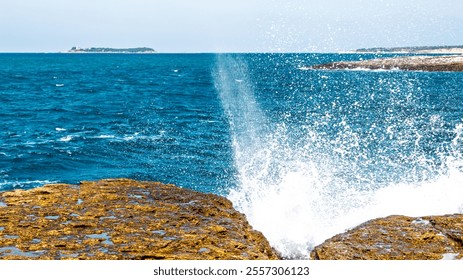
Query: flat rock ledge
point(412, 63)
point(397, 238)
point(124, 219)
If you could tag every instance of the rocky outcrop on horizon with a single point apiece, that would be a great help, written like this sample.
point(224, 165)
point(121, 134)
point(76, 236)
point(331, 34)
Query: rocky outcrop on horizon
point(422, 50)
point(413, 63)
point(124, 219)
point(397, 238)
point(142, 50)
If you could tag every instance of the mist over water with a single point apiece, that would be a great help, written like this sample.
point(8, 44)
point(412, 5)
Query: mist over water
point(334, 149)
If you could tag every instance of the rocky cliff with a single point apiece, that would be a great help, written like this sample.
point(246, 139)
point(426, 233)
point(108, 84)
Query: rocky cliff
point(397, 238)
point(124, 219)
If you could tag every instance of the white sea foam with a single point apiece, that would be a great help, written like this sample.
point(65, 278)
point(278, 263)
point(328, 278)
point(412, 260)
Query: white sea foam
point(296, 194)
point(66, 138)
point(39, 142)
point(450, 256)
point(308, 68)
point(137, 137)
point(306, 203)
point(105, 136)
point(20, 184)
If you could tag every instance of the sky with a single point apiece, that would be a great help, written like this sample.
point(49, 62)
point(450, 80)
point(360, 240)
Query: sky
point(184, 26)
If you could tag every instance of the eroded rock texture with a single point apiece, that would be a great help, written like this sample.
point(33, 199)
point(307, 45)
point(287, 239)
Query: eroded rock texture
point(124, 219)
point(397, 238)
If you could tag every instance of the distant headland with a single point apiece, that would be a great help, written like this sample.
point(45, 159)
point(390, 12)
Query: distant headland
point(423, 50)
point(439, 58)
point(111, 50)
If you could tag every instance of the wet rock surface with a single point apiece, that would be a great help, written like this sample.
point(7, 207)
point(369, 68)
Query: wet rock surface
point(397, 238)
point(124, 219)
point(413, 63)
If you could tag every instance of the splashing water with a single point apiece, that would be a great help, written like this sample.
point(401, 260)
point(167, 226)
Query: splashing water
point(303, 182)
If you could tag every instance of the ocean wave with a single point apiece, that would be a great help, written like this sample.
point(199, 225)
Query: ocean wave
point(300, 188)
point(66, 138)
point(105, 136)
point(23, 184)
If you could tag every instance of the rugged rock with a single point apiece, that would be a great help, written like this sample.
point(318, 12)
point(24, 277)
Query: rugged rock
point(124, 219)
point(397, 238)
point(415, 63)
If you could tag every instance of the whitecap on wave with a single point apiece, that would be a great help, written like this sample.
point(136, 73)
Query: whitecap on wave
point(66, 138)
point(105, 136)
point(14, 184)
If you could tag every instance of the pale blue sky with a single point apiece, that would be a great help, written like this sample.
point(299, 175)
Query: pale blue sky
point(228, 26)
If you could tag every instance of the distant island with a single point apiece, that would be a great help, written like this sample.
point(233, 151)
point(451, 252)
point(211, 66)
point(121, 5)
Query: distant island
point(423, 50)
point(111, 50)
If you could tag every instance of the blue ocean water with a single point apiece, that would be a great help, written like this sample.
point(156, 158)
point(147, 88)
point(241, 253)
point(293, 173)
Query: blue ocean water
point(305, 154)
point(67, 118)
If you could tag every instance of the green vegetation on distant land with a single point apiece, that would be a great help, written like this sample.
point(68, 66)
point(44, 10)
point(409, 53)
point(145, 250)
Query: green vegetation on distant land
point(112, 50)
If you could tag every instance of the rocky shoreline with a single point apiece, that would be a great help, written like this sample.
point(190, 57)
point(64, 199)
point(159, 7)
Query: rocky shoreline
point(397, 238)
point(412, 63)
point(124, 219)
point(416, 50)
point(127, 219)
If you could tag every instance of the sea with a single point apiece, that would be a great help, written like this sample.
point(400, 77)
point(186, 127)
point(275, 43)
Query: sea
point(305, 154)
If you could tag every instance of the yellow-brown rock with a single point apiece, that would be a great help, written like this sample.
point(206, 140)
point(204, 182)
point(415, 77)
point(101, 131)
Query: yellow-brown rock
point(397, 238)
point(124, 219)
